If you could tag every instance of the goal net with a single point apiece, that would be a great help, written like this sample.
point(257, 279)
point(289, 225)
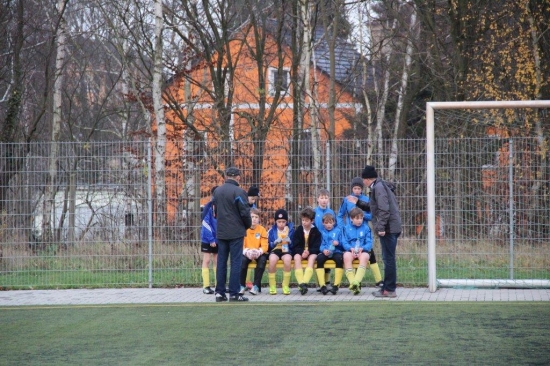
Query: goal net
point(488, 194)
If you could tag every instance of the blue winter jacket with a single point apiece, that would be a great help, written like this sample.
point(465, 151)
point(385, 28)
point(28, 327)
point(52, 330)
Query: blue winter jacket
point(208, 227)
point(347, 206)
point(329, 237)
point(272, 236)
point(319, 213)
point(351, 233)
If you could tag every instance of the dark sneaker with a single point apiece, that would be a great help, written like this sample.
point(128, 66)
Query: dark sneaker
point(221, 298)
point(324, 290)
point(334, 289)
point(303, 288)
point(238, 298)
point(380, 284)
point(326, 284)
point(207, 290)
point(384, 293)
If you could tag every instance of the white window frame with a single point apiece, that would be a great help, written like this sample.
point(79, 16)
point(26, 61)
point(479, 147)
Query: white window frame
point(271, 72)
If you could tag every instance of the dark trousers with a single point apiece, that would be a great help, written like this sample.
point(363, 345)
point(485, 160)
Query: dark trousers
point(389, 244)
point(229, 249)
point(338, 259)
point(258, 272)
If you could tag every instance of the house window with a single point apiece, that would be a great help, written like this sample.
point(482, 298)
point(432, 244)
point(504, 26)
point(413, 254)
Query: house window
point(278, 81)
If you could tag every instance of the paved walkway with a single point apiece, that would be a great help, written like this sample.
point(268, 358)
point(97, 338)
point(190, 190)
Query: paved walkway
point(195, 295)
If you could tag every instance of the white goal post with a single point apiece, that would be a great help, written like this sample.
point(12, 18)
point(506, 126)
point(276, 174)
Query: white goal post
point(430, 155)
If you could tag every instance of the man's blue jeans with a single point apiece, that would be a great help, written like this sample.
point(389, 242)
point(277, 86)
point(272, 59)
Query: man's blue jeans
point(389, 244)
point(229, 249)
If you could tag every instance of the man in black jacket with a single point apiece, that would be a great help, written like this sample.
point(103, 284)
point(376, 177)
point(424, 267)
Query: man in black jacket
point(386, 221)
point(233, 219)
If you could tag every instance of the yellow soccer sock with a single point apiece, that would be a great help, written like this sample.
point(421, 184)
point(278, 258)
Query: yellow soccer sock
point(299, 274)
point(272, 280)
point(320, 276)
point(205, 277)
point(360, 274)
point(215, 278)
point(349, 275)
point(286, 279)
point(308, 273)
point(376, 272)
point(338, 274)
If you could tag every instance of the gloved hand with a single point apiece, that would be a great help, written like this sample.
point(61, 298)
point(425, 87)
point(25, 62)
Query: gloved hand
point(278, 241)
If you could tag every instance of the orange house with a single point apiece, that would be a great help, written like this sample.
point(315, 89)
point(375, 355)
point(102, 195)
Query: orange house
point(201, 143)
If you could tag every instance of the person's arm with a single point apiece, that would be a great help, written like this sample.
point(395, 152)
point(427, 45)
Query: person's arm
point(207, 229)
point(244, 209)
point(340, 218)
point(264, 246)
point(383, 213)
point(314, 241)
point(367, 245)
point(297, 243)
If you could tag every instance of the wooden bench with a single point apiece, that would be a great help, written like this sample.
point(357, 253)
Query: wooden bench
point(328, 264)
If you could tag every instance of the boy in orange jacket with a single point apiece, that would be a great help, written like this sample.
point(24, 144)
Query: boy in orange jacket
point(254, 248)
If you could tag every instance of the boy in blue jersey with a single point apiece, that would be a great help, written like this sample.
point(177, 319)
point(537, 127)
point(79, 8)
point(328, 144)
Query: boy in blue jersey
point(208, 244)
point(356, 239)
point(330, 249)
point(323, 199)
point(279, 240)
point(357, 186)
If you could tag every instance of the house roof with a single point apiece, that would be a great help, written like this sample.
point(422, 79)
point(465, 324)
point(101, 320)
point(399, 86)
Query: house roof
point(347, 67)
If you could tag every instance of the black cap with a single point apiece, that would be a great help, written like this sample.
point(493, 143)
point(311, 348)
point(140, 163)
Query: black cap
point(232, 172)
point(253, 191)
point(281, 214)
point(369, 172)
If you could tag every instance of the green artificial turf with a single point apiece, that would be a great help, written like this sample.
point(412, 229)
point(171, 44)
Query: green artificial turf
point(385, 333)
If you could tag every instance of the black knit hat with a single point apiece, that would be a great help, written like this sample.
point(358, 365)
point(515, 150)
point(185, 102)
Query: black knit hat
point(357, 182)
point(253, 191)
point(281, 214)
point(369, 172)
point(232, 172)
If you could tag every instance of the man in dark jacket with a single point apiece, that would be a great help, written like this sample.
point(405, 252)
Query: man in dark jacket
point(233, 219)
point(386, 221)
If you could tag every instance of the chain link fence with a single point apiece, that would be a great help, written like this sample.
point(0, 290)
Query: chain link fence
point(92, 218)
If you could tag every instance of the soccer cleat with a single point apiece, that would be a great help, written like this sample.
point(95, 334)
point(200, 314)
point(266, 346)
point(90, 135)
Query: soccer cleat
point(324, 290)
point(254, 290)
point(355, 287)
point(334, 289)
point(384, 293)
point(243, 289)
point(248, 285)
point(303, 288)
point(221, 298)
point(238, 298)
point(207, 290)
point(286, 290)
point(380, 284)
point(272, 290)
point(319, 289)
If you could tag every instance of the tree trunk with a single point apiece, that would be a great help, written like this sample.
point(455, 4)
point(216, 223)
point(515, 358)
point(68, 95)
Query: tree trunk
point(51, 189)
point(400, 102)
point(158, 104)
